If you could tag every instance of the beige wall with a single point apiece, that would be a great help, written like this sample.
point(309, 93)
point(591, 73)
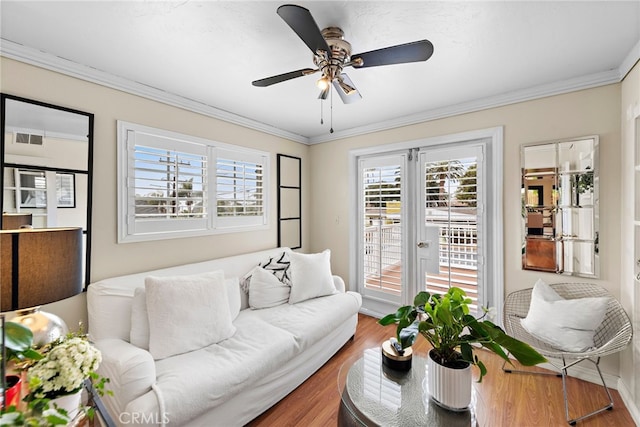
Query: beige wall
point(629, 291)
point(109, 105)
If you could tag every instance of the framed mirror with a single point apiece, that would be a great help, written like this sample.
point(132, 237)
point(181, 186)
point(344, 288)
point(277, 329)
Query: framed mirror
point(46, 154)
point(560, 196)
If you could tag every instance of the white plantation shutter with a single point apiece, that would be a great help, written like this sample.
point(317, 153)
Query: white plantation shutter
point(451, 199)
point(382, 204)
point(239, 188)
point(165, 184)
point(173, 185)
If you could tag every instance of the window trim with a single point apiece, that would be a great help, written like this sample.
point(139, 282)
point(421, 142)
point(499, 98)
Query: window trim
point(211, 225)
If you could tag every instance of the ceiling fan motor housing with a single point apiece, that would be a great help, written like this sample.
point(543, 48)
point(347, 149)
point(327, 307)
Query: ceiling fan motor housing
point(331, 67)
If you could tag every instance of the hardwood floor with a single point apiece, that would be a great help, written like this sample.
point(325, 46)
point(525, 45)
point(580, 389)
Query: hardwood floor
point(512, 399)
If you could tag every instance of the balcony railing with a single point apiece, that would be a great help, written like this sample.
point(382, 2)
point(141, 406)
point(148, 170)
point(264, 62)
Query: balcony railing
point(458, 256)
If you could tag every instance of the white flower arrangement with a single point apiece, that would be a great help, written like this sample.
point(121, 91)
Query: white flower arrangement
point(57, 369)
point(64, 368)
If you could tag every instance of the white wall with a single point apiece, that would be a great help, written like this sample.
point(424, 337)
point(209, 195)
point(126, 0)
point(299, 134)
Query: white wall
point(586, 112)
point(630, 291)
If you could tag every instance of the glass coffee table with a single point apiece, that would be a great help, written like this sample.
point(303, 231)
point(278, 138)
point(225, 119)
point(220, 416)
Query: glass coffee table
point(374, 395)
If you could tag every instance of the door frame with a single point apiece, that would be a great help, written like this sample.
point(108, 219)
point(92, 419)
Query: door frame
point(495, 256)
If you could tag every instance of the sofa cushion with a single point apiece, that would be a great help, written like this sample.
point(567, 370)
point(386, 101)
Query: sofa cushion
point(191, 383)
point(187, 313)
point(311, 320)
point(139, 335)
point(310, 276)
point(265, 290)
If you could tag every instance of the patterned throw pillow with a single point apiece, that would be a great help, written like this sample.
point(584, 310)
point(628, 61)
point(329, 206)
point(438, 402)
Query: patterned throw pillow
point(277, 265)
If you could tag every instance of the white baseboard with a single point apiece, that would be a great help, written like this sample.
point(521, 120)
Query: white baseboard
point(627, 398)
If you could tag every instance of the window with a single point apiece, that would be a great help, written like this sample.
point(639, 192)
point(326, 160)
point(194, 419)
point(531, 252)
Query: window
point(174, 185)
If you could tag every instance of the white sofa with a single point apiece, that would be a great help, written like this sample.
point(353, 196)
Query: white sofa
point(272, 351)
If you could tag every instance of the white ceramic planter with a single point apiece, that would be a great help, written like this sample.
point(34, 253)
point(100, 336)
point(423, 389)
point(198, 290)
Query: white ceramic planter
point(70, 403)
point(449, 388)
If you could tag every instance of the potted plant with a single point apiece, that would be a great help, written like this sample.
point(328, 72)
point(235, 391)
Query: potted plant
point(445, 322)
point(55, 373)
point(18, 340)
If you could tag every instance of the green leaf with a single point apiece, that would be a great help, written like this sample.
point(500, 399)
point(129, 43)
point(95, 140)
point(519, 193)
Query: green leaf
point(388, 319)
point(483, 370)
point(17, 337)
point(421, 299)
point(523, 352)
point(467, 352)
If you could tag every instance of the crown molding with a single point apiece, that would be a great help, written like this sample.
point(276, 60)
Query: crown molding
point(629, 61)
point(51, 62)
point(12, 50)
point(536, 92)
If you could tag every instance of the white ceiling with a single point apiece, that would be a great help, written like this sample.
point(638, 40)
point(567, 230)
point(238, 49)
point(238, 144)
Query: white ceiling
point(204, 54)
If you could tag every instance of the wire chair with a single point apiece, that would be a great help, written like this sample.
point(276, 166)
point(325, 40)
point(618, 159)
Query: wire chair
point(612, 336)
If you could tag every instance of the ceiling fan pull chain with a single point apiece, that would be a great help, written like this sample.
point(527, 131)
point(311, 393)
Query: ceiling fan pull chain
point(321, 112)
point(331, 130)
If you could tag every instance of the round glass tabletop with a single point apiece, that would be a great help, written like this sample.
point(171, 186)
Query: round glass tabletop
point(372, 394)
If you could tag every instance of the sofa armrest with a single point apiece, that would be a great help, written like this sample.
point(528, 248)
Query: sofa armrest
point(339, 284)
point(130, 369)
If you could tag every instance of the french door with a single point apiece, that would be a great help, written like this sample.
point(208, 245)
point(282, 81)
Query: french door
point(422, 223)
point(450, 220)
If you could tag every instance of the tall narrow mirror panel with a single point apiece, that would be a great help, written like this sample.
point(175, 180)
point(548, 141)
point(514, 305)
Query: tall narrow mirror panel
point(560, 207)
point(46, 168)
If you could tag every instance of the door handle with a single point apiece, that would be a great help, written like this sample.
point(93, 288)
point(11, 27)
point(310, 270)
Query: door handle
point(423, 244)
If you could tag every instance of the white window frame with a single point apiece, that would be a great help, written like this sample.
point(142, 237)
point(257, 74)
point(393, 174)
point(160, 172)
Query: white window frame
point(130, 230)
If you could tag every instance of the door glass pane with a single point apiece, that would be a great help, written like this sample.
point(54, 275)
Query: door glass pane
point(382, 228)
point(451, 205)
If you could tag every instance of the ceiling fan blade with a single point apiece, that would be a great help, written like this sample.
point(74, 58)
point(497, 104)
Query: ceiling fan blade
point(399, 54)
point(268, 81)
point(347, 91)
point(303, 24)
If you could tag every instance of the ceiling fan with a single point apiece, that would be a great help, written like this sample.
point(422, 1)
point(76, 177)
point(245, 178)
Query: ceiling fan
point(332, 53)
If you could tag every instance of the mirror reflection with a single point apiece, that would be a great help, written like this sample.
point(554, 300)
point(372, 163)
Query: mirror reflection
point(560, 210)
point(46, 168)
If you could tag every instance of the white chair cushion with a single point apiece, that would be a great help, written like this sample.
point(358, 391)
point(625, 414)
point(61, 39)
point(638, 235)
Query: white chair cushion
point(187, 313)
point(265, 290)
point(310, 276)
point(566, 324)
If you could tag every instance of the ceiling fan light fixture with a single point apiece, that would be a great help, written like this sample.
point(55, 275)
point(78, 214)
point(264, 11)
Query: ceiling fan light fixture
point(349, 90)
point(323, 83)
point(324, 93)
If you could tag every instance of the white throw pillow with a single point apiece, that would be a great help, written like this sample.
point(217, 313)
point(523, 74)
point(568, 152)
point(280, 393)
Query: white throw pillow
point(139, 333)
point(566, 324)
point(265, 290)
point(310, 276)
point(278, 265)
point(187, 313)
